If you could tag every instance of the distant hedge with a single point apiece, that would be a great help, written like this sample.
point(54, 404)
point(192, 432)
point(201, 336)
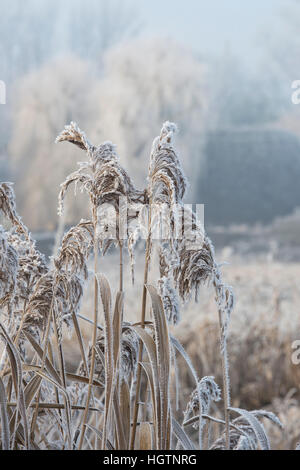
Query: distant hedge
point(249, 176)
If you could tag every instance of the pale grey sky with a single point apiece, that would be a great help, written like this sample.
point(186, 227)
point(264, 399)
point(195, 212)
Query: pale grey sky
point(210, 25)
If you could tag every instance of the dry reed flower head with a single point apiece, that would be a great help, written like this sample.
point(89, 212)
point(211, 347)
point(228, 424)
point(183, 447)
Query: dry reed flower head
point(166, 180)
point(166, 184)
point(209, 392)
point(21, 250)
point(39, 303)
point(111, 180)
point(8, 207)
point(32, 265)
point(166, 188)
point(245, 434)
point(102, 176)
point(195, 267)
point(75, 249)
point(55, 292)
point(170, 300)
point(129, 347)
point(241, 438)
point(168, 260)
point(9, 266)
point(71, 271)
point(60, 290)
point(106, 182)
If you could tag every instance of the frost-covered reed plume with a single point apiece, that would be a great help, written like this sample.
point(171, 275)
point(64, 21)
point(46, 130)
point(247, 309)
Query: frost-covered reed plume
point(120, 396)
point(8, 269)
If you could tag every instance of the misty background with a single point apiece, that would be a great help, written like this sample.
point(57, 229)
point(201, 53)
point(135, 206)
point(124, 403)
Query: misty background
point(222, 71)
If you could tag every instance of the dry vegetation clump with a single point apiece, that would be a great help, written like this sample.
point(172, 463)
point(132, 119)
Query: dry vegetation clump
point(125, 391)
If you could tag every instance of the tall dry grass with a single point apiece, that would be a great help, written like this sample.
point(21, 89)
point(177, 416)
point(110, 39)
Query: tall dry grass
point(125, 393)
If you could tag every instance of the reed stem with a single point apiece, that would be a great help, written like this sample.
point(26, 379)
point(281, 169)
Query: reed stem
point(143, 318)
point(91, 376)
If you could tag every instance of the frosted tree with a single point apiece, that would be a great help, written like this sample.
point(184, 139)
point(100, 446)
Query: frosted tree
point(240, 97)
point(43, 30)
point(143, 82)
point(44, 101)
point(281, 48)
point(32, 34)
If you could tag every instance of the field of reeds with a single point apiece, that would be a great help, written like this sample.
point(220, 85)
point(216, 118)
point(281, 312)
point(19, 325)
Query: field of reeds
point(129, 337)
